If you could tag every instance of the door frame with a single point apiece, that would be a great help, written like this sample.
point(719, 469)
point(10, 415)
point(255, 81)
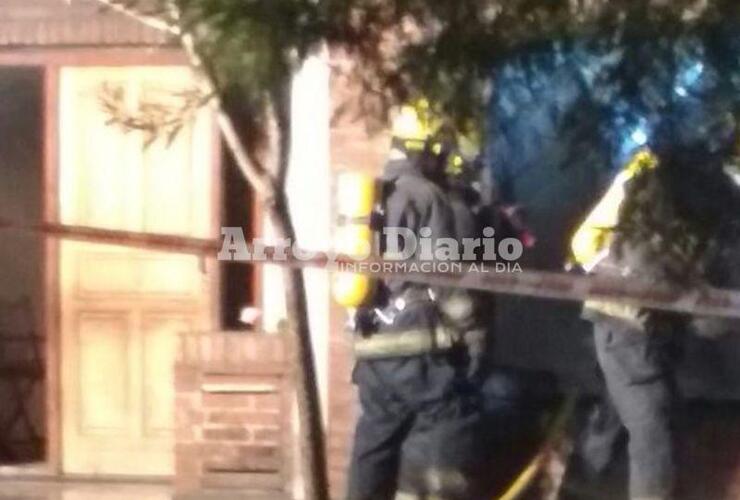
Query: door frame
point(51, 316)
point(50, 61)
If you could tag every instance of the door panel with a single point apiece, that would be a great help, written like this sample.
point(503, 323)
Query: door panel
point(123, 308)
point(103, 345)
point(168, 181)
point(159, 344)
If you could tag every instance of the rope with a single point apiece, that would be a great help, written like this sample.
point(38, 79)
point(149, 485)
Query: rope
point(705, 301)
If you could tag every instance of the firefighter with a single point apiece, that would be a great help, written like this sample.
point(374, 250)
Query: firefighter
point(635, 348)
point(421, 405)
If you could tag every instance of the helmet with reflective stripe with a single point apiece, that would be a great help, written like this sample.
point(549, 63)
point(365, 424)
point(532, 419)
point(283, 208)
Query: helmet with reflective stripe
point(414, 125)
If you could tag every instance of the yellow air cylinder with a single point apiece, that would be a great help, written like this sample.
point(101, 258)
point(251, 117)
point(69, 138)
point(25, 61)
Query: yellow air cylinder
point(355, 195)
point(355, 201)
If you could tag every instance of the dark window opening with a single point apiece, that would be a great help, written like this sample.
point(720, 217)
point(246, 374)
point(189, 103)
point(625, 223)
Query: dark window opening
point(237, 280)
point(22, 341)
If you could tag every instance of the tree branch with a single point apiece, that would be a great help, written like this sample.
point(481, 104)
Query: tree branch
point(261, 182)
point(155, 22)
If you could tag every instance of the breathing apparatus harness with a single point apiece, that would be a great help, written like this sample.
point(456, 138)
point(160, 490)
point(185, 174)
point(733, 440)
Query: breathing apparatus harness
point(361, 215)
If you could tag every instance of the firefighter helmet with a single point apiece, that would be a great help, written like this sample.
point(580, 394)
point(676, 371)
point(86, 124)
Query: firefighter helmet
point(414, 125)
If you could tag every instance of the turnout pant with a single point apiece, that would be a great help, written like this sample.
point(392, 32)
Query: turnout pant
point(638, 370)
point(417, 434)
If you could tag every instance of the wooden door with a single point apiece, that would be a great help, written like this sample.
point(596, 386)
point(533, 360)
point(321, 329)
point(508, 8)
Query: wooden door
point(121, 308)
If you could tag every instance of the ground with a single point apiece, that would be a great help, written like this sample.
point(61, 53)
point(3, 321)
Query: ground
point(48, 490)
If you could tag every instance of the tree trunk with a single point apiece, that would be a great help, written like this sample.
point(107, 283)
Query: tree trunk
point(271, 190)
point(312, 443)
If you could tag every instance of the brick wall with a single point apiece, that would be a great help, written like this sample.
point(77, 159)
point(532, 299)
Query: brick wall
point(351, 148)
point(236, 431)
point(232, 413)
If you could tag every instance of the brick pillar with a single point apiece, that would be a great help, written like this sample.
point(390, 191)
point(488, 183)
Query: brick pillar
point(351, 148)
point(233, 411)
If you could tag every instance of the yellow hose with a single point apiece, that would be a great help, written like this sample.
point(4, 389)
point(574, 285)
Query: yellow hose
point(524, 480)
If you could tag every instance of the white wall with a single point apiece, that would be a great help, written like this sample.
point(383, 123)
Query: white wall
point(309, 192)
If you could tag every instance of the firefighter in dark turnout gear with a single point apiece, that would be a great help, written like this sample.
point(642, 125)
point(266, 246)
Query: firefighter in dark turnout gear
point(635, 348)
point(421, 405)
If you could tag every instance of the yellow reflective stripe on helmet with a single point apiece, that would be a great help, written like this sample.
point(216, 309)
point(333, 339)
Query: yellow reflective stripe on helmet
point(414, 145)
point(416, 122)
point(408, 125)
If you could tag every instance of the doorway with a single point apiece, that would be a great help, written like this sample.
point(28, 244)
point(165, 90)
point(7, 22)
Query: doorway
point(123, 308)
point(23, 436)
